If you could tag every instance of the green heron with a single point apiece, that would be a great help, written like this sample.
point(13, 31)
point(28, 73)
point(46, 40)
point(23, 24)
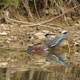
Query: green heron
point(49, 46)
point(55, 42)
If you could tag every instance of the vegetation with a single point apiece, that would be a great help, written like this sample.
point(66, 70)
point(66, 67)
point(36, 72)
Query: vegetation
point(19, 28)
point(39, 8)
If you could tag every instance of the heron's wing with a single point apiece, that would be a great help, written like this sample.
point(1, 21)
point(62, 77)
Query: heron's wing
point(57, 40)
point(29, 49)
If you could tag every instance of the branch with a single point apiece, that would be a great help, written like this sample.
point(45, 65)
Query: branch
point(42, 22)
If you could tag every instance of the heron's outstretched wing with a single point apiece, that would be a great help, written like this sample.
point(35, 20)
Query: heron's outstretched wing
point(29, 49)
point(57, 40)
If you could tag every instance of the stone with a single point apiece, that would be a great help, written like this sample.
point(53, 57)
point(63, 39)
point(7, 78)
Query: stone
point(3, 64)
point(3, 33)
point(39, 35)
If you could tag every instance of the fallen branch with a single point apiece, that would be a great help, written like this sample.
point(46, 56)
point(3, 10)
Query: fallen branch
point(42, 22)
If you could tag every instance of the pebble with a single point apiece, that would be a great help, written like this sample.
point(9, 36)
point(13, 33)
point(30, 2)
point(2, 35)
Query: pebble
point(3, 64)
point(3, 33)
point(39, 35)
point(76, 24)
